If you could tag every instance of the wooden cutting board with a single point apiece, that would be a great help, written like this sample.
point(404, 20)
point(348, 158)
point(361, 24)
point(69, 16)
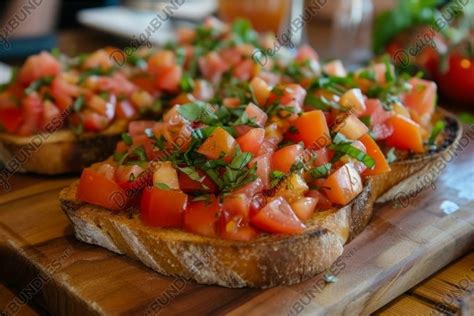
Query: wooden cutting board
point(403, 245)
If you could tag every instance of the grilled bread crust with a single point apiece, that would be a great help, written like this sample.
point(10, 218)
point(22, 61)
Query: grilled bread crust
point(269, 260)
point(60, 152)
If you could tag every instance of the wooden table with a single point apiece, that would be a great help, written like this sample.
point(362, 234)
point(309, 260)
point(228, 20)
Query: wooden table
point(441, 292)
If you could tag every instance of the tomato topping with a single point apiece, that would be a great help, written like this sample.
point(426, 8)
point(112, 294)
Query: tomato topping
point(96, 188)
point(200, 217)
point(406, 134)
point(252, 140)
point(305, 53)
point(205, 184)
point(421, 98)
point(33, 115)
point(264, 166)
point(343, 185)
point(284, 158)
point(311, 128)
point(278, 217)
point(335, 68)
point(38, 66)
point(322, 201)
point(260, 91)
point(219, 144)
point(304, 207)
point(373, 150)
point(125, 110)
point(351, 127)
point(169, 78)
point(256, 114)
point(232, 229)
point(11, 119)
point(163, 208)
point(237, 205)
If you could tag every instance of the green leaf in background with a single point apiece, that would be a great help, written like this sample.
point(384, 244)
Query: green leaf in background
point(408, 13)
point(466, 118)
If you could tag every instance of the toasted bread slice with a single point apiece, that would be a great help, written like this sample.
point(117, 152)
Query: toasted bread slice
point(59, 152)
point(268, 261)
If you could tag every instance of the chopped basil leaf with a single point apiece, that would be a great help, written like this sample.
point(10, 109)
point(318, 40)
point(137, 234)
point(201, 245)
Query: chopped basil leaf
point(78, 104)
point(438, 128)
point(186, 83)
point(162, 186)
point(353, 152)
point(127, 139)
point(367, 74)
point(276, 176)
point(198, 111)
point(140, 153)
point(241, 160)
point(37, 84)
point(367, 120)
point(321, 171)
point(321, 103)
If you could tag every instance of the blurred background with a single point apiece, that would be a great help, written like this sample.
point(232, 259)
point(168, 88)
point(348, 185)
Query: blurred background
point(432, 36)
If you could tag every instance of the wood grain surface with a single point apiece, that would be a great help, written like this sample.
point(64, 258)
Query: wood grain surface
point(405, 243)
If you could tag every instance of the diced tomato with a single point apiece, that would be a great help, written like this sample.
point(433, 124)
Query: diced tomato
point(260, 91)
point(263, 168)
point(191, 186)
point(231, 102)
point(343, 185)
point(116, 84)
point(63, 93)
point(257, 114)
point(163, 208)
point(105, 108)
point(306, 52)
point(311, 128)
point(125, 109)
point(293, 94)
point(252, 140)
point(351, 127)
point(278, 217)
point(243, 70)
point(169, 78)
point(50, 114)
point(125, 174)
point(284, 158)
point(219, 143)
point(166, 174)
point(422, 97)
point(11, 119)
point(323, 202)
point(251, 189)
point(304, 207)
point(406, 134)
point(373, 150)
point(353, 100)
point(98, 59)
point(144, 82)
point(161, 60)
point(137, 128)
point(95, 188)
point(200, 217)
point(292, 187)
point(231, 55)
point(378, 118)
point(322, 157)
point(93, 121)
point(237, 205)
point(185, 35)
point(203, 90)
point(39, 66)
point(335, 68)
point(32, 108)
point(234, 231)
point(212, 66)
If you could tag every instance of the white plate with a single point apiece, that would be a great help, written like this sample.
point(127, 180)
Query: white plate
point(128, 23)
